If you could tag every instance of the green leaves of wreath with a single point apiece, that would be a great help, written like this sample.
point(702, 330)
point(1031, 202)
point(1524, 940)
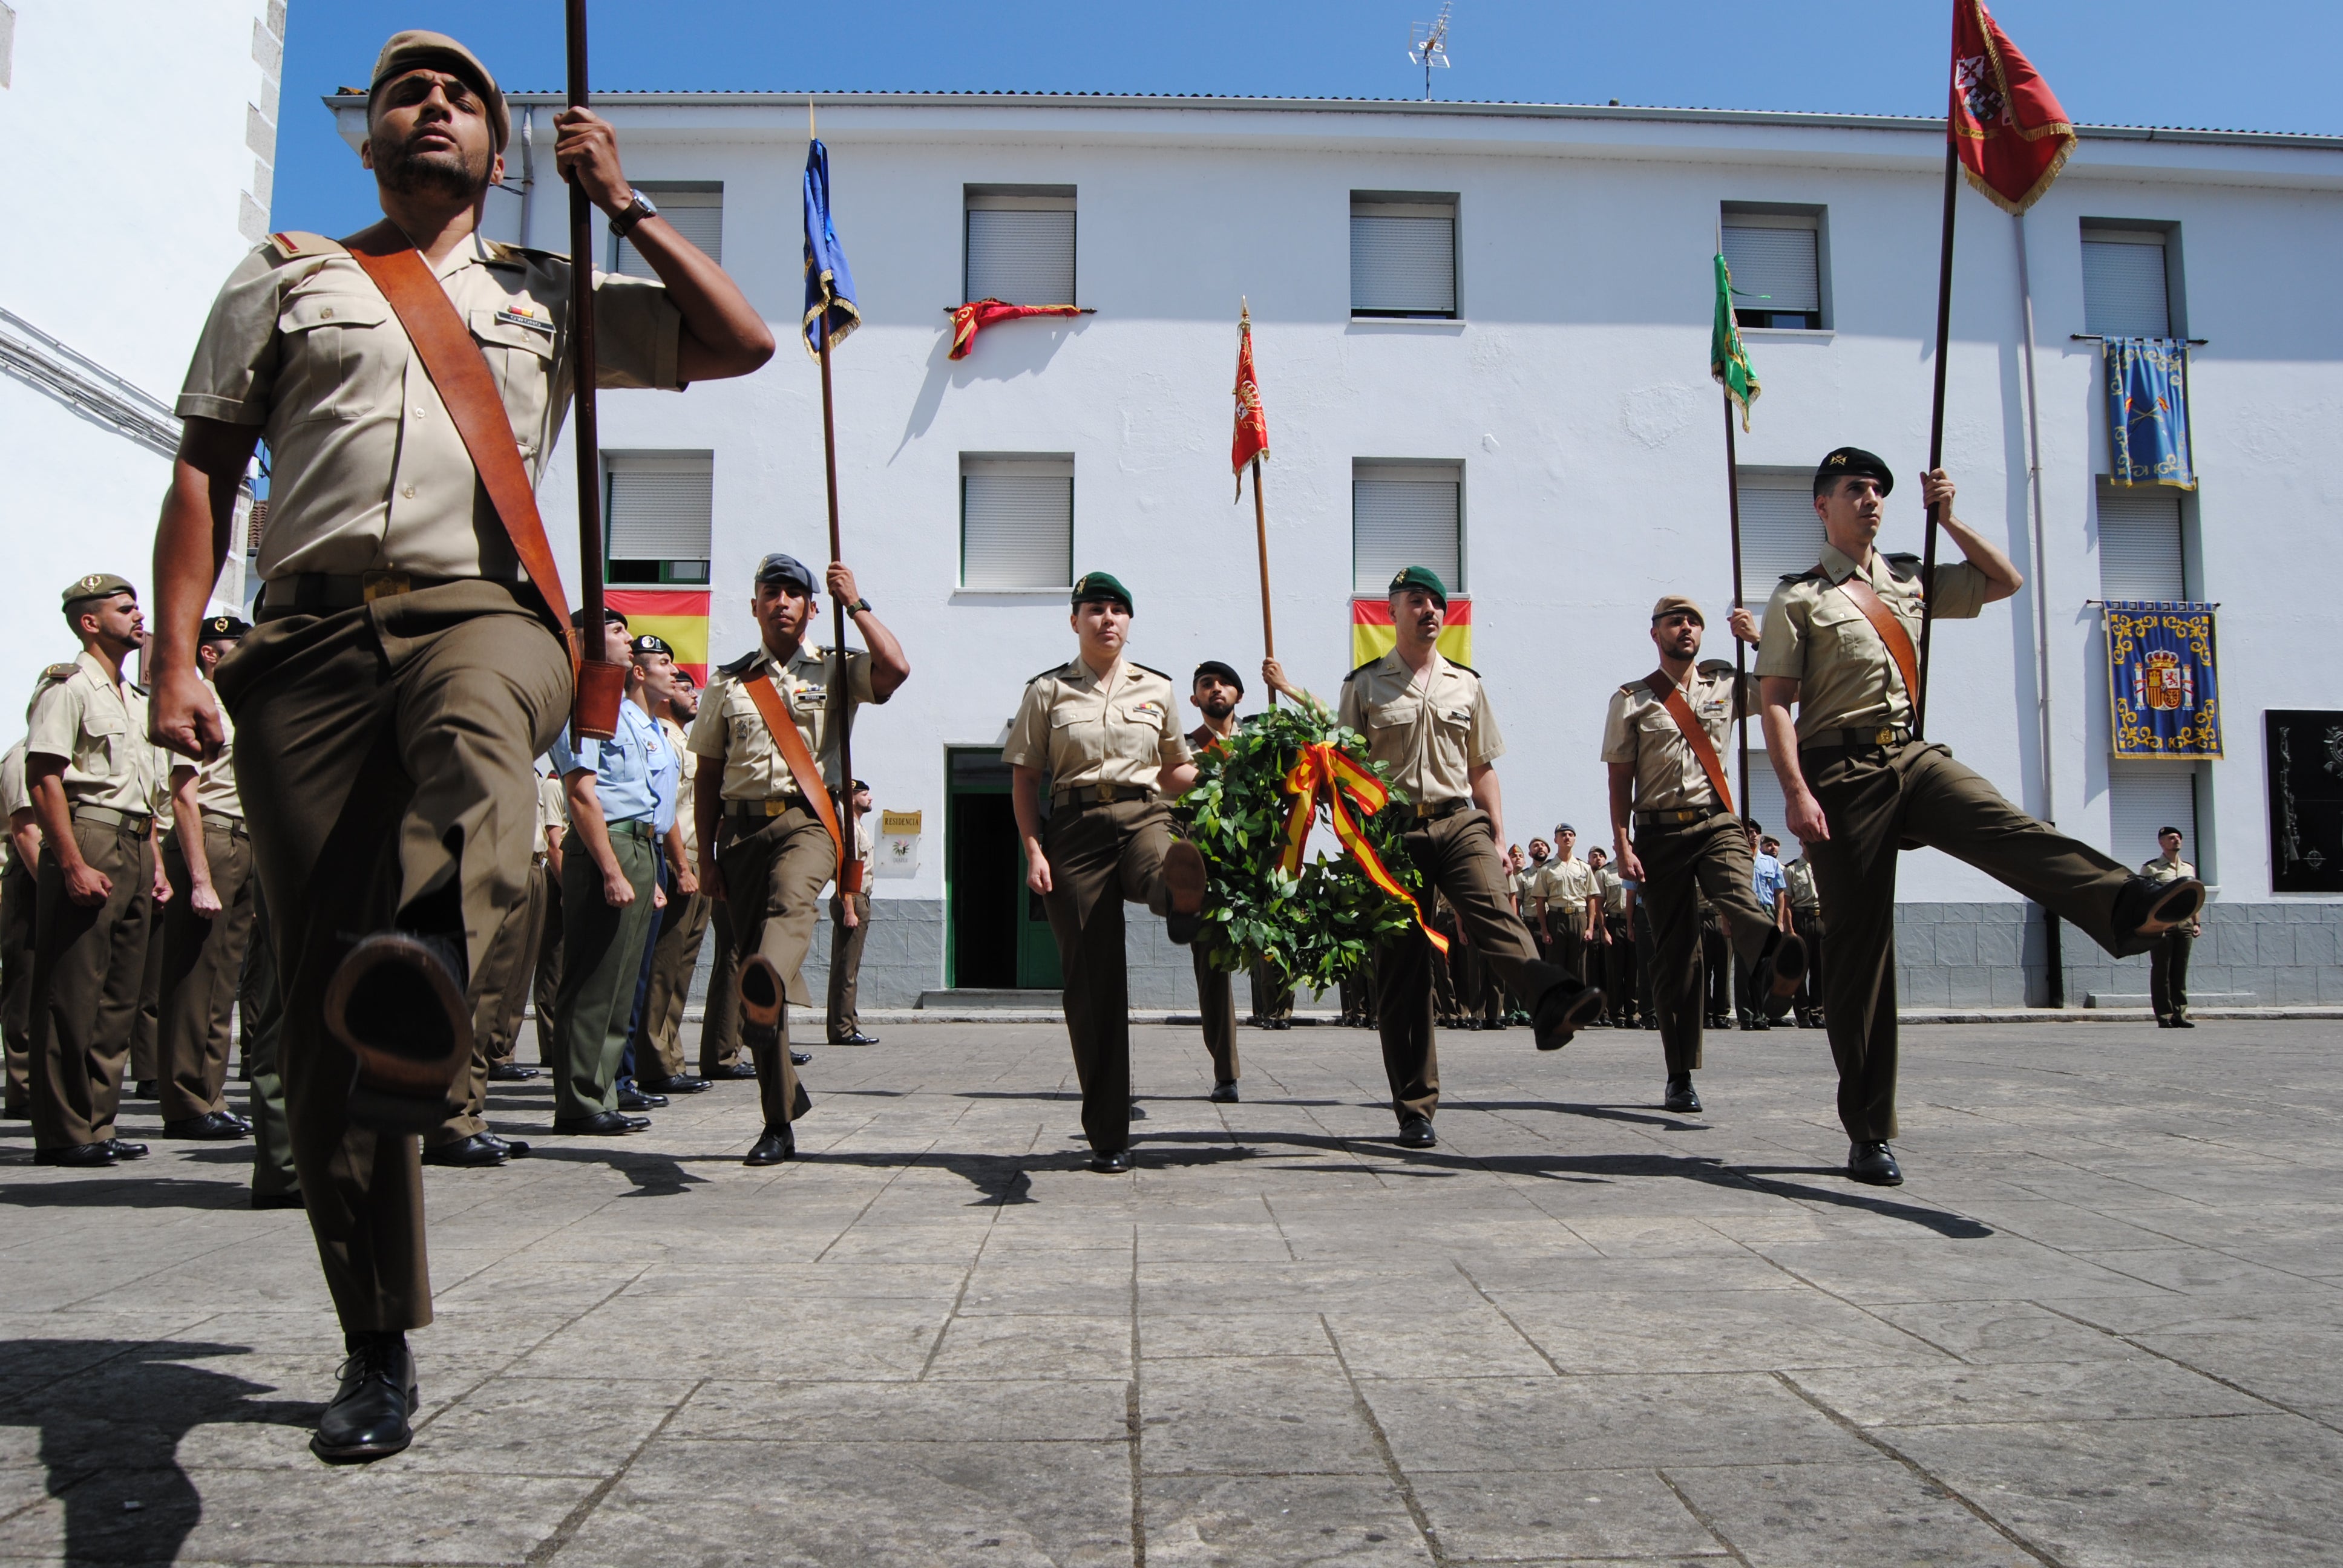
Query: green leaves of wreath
point(1320, 926)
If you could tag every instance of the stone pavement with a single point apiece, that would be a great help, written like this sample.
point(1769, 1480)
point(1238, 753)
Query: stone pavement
point(2103, 1323)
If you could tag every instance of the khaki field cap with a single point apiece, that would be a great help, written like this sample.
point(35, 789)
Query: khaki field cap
point(98, 585)
point(1671, 603)
point(437, 51)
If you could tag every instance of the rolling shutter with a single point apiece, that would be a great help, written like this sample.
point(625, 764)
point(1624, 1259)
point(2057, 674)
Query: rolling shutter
point(697, 215)
point(1017, 523)
point(2140, 544)
point(1774, 264)
point(2124, 288)
point(1404, 515)
point(2143, 800)
point(1021, 253)
point(1780, 534)
point(1403, 258)
point(661, 504)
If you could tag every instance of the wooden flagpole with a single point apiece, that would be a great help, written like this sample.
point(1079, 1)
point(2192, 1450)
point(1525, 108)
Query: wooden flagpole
point(1261, 536)
point(1740, 650)
point(596, 713)
point(841, 691)
point(1936, 411)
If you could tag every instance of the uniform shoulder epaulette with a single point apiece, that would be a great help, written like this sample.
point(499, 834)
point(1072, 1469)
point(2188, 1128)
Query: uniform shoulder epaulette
point(739, 667)
point(1813, 572)
point(56, 673)
point(1903, 566)
point(499, 253)
point(1467, 668)
point(1053, 670)
point(1364, 668)
point(1713, 667)
point(1150, 670)
point(292, 245)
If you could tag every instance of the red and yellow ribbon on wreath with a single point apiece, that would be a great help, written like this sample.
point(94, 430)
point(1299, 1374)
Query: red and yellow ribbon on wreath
point(1326, 769)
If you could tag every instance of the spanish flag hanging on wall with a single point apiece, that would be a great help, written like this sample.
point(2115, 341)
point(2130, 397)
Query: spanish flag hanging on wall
point(678, 614)
point(1372, 636)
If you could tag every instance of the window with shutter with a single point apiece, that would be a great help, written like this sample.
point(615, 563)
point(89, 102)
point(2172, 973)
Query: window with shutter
point(2126, 284)
point(2143, 800)
point(1402, 255)
point(695, 209)
point(657, 510)
point(1404, 514)
point(1780, 534)
point(1777, 262)
point(1017, 523)
point(2140, 554)
point(1020, 244)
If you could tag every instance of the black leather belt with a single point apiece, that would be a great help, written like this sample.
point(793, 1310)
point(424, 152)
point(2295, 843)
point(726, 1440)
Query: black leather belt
point(1081, 796)
point(1676, 818)
point(1446, 809)
point(1870, 737)
point(322, 593)
point(762, 811)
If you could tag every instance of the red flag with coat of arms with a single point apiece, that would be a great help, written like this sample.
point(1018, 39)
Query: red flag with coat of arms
point(1251, 438)
point(2006, 125)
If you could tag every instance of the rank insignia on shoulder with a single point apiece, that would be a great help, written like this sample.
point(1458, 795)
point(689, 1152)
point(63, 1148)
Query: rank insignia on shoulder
point(59, 671)
point(291, 244)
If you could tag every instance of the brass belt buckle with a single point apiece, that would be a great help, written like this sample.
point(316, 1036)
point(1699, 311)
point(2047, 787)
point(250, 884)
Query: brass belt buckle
point(779, 806)
point(1105, 793)
point(373, 585)
point(1886, 736)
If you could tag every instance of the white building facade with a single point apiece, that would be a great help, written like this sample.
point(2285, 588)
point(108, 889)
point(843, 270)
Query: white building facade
point(1482, 341)
point(161, 130)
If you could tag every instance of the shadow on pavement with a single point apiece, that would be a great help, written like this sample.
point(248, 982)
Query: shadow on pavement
point(110, 1435)
point(125, 1191)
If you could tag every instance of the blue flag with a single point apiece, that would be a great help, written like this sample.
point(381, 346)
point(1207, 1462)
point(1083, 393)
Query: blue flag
point(828, 285)
point(2148, 412)
point(2165, 698)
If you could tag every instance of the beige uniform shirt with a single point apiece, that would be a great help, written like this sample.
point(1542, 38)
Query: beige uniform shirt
point(216, 793)
point(2163, 870)
point(1433, 731)
point(1816, 636)
point(1082, 728)
point(1798, 876)
point(1565, 886)
point(1639, 731)
point(686, 810)
point(14, 797)
point(552, 809)
point(731, 730)
point(367, 472)
point(100, 731)
point(1613, 889)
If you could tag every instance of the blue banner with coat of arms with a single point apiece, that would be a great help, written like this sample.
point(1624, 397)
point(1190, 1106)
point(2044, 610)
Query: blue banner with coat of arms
point(2148, 412)
point(2161, 686)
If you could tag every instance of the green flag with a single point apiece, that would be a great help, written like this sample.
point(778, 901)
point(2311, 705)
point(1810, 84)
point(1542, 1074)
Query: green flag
point(1729, 361)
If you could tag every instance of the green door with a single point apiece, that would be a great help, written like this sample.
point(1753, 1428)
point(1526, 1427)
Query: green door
point(997, 936)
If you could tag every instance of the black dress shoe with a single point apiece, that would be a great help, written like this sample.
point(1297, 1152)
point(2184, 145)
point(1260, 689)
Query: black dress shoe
point(633, 1099)
point(1872, 1165)
point(799, 1058)
point(466, 1153)
point(15, 1113)
point(1781, 970)
point(397, 1000)
point(513, 1073)
point(77, 1156)
point(513, 1148)
point(857, 1038)
point(144, 1089)
point(126, 1151)
point(737, 1071)
point(1114, 1164)
point(1564, 1009)
point(369, 1417)
point(2181, 1020)
point(1415, 1132)
point(278, 1200)
point(212, 1126)
point(2163, 1023)
point(1681, 1097)
point(1185, 883)
point(2146, 908)
point(771, 1148)
point(1225, 1093)
point(681, 1084)
point(602, 1124)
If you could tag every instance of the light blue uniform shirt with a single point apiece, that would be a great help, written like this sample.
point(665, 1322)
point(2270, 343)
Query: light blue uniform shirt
point(628, 769)
point(1769, 881)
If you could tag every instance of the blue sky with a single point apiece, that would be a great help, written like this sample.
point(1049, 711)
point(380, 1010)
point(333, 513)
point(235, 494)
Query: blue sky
point(2245, 64)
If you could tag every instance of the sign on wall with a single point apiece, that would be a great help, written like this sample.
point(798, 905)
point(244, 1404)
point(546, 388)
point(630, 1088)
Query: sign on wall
point(2304, 763)
point(2161, 689)
point(896, 851)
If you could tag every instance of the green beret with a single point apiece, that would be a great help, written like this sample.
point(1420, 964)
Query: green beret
point(1852, 460)
point(98, 585)
point(222, 629)
point(1423, 578)
point(1103, 587)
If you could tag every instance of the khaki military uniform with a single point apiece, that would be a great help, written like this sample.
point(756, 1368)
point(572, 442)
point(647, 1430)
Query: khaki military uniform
point(387, 741)
point(552, 822)
point(89, 961)
point(774, 852)
point(1100, 740)
point(2167, 960)
point(1692, 847)
point(846, 942)
point(1619, 955)
point(203, 960)
point(683, 927)
point(1431, 732)
point(503, 1000)
point(1215, 990)
point(19, 896)
point(1559, 893)
point(1806, 920)
point(1877, 787)
point(146, 1069)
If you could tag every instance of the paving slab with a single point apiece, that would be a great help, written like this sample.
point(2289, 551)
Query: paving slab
point(2096, 1326)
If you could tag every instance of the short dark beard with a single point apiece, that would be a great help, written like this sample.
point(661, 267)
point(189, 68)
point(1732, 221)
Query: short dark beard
point(398, 170)
point(1218, 707)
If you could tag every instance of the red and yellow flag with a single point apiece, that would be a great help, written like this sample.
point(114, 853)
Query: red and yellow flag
point(678, 614)
point(1253, 424)
point(1372, 636)
point(2005, 122)
point(972, 317)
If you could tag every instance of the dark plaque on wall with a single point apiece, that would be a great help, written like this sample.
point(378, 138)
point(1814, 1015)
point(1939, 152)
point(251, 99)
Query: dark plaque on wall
point(2303, 756)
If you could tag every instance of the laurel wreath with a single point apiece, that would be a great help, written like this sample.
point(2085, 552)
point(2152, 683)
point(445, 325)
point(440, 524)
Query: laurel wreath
point(1322, 925)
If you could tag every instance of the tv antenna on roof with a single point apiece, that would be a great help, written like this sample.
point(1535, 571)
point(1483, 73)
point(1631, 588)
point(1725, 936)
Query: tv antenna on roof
point(1428, 45)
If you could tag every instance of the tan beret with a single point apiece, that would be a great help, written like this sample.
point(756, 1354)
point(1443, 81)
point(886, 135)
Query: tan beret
point(416, 49)
point(1671, 603)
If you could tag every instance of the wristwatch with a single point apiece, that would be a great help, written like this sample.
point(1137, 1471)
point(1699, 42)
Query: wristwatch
point(623, 223)
point(858, 607)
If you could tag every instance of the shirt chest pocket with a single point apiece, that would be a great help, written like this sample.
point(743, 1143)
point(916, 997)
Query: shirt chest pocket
point(517, 340)
point(103, 748)
point(341, 359)
point(1399, 713)
point(1135, 729)
point(1838, 629)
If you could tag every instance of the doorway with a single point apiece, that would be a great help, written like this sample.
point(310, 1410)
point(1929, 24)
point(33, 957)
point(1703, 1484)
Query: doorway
point(997, 934)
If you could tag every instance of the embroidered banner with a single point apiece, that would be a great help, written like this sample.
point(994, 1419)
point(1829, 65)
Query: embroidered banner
point(2148, 412)
point(2161, 687)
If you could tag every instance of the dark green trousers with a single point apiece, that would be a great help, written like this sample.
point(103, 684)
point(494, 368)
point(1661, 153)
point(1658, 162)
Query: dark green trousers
point(773, 878)
point(203, 962)
point(89, 966)
point(602, 956)
point(1216, 999)
point(1875, 797)
point(1681, 863)
point(272, 1134)
point(18, 899)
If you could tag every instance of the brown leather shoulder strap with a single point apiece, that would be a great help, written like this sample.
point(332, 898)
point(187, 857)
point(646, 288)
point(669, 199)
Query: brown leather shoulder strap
point(1891, 632)
point(457, 368)
point(1670, 697)
point(768, 698)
